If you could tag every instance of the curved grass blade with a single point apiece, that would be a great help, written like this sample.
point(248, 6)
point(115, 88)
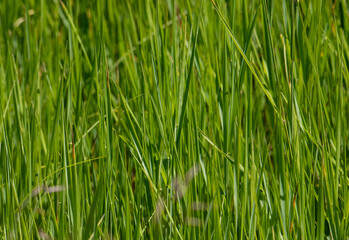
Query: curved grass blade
point(185, 97)
point(77, 34)
point(249, 64)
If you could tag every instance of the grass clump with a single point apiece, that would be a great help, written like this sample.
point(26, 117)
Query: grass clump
point(174, 119)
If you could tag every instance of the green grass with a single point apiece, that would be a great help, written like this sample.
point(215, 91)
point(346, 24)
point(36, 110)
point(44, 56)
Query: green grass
point(174, 119)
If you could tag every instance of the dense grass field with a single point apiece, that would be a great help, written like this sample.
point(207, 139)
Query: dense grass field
point(174, 119)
